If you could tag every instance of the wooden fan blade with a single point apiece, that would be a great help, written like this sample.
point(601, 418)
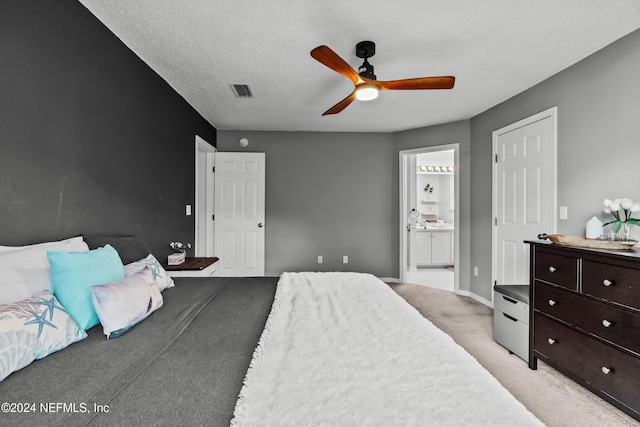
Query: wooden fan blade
point(341, 105)
point(441, 82)
point(326, 56)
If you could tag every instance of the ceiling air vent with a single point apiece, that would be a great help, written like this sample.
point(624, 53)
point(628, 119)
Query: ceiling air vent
point(241, 91)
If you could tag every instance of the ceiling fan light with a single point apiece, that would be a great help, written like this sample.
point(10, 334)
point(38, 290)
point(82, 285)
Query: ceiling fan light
point(366, 92)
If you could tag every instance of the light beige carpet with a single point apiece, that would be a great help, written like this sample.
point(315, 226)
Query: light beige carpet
point(553, 398)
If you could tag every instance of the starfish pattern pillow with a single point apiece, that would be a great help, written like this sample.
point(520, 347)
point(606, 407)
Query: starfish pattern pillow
point(160, 276)
point(32, 329)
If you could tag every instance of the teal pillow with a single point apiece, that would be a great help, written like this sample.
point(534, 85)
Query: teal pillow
point(73, 274)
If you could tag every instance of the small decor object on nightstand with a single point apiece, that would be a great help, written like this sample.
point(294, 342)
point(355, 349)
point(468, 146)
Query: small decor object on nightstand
point(176, 259)
point(180, 253)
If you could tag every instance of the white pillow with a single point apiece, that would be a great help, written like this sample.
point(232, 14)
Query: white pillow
point(26, 271)
point(57, 245)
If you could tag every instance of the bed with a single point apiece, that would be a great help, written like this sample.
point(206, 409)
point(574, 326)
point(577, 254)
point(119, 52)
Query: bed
point(304, 349)
point(183, 365)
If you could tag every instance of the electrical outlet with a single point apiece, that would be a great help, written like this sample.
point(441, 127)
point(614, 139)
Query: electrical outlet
point(475, 271)
point(345, 259)
point(188, 210)
point(319, 259)
point(563, 212)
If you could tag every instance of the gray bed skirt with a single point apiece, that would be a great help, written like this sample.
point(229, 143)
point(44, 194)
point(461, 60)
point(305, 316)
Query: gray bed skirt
point(184, 365)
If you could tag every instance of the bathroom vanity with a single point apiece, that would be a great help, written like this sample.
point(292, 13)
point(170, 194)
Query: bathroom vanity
point(431, 246)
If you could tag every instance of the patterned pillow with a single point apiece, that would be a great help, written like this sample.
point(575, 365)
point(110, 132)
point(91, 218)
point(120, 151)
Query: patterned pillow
point(160, 276)
point(124, 303)
point(32, 329)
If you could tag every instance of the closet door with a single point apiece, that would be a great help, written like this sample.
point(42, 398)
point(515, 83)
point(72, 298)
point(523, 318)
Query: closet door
point(239, 213)
point(525, 196)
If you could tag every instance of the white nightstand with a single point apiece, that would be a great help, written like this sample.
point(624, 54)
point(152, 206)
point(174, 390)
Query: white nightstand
point(193, 267)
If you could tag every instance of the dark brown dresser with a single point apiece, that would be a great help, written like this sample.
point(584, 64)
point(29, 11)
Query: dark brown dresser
point(585, 318)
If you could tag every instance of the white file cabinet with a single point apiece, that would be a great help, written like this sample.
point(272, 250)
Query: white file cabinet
point(511, 318)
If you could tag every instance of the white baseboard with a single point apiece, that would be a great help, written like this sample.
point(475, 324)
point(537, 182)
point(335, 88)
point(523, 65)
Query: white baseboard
point(389, 279)
point(475, 297)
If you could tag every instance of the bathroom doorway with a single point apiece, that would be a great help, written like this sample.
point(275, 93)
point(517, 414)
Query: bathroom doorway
point(429, 249)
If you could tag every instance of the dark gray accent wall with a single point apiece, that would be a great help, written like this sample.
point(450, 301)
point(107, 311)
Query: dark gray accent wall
point(598, 102)
point(449, 133)
point(91, 139)
point(327, 194)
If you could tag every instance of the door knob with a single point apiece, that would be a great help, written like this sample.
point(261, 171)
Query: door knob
point(260, 225)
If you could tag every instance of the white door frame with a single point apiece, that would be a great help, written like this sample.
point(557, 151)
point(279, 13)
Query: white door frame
point(404, 214)
point(553, 167)
point(204, 234)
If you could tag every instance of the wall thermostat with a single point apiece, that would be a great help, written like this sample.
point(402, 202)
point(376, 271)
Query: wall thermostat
point(244, 142)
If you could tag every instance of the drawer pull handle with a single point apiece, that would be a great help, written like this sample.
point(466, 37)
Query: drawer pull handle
point(551, 341)
point(552, 269)
point(509, 317)
point(606, 323)
point(607, 282)
point(606, 370)
point(552, 302)
point(512, 301)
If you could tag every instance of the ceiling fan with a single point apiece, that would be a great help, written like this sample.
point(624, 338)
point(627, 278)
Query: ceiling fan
point(366, 85)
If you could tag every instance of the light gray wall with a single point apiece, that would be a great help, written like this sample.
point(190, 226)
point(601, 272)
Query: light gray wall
point(456, 132)
point(598, 102)
point(327, 194)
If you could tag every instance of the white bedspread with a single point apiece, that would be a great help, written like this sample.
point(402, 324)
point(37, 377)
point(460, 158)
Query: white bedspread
point(343, 349)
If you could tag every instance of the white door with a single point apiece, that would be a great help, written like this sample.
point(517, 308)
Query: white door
point(524, 197)
point(239, 213)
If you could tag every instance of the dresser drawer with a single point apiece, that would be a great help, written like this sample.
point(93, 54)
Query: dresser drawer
point(612, 283)
point(607, 369)
point(616, 325)
point(558, 269)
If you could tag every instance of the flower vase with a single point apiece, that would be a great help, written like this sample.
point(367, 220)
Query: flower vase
point(623, 234)
point(176, 258)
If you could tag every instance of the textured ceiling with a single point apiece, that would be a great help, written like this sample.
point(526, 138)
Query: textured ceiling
point(494, 48)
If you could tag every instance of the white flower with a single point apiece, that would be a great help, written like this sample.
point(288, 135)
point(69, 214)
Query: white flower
point(607, 210)
point(615, 205)
point(626, 203)
point(635, 207)
point(607, 203)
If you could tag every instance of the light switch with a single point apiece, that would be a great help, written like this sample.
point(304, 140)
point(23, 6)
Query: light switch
point(563, 212)
point(188, 210)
